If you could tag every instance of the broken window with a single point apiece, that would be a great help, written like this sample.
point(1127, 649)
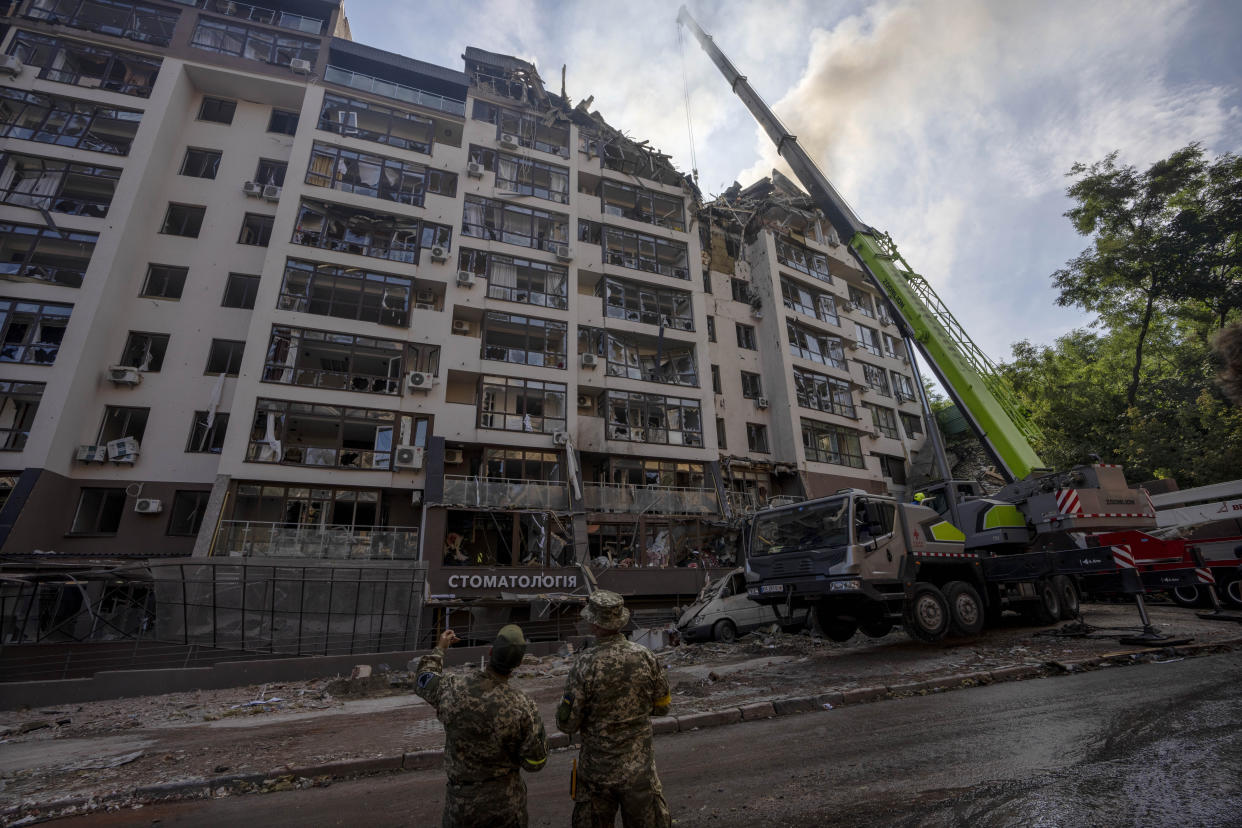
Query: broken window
point(240, 290)
point(200, 163)
point(346, 293)
point(868, 338)
point(365, 233)
point(99, 511)
point(894, 468)
point(391, 179)
point(746, 336)
point(635, 356)
point(186, 515)
point(639, 302)
point(819, 304)
point(304, 507)
point(519, 464)
point(256, 229)
point(270, 172)
point(903, 387)
point(283, 122)
point(519, 280)
point(516, 175)
point(31, 332)
point(56, 186)
point(51, 119)
point(372, 122)
point(752, 385)
point(876, 379)
point(252, 43)
point(217, 110)
point(44, 255)
point(183, 220)
point(913, 424)
point(862, 302)
point(721, 442)
point(757, 438)
point(823, 393)
point(225, 356)
point(815, 346)
point(802, 259)
point(512, 404)
point(646, 471)
point(486, 218)
point(323, 359)
point(652, 418)
point(145, 351)
point(591, 232)
point(826, 443)
point(122, 421)
point(716, 379)
point(639, 251)
point(306, 434)
point(883, 419)
point(136, 21)
point(19, 402)
point(207, 432)
point(891, 348)
point(642, 204)
point(525, 340)
point(531, 130)
point(72, 62)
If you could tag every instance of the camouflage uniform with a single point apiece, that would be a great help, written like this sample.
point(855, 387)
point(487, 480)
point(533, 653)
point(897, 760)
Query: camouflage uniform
point(610, 693)
point(490, 731)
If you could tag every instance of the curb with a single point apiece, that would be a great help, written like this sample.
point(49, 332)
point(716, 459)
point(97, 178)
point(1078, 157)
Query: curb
point(286, 778)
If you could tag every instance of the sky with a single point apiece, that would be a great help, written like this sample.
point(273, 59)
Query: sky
point(951, 124)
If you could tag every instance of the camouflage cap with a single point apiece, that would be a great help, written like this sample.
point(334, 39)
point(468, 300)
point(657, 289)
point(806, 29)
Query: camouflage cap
point(606, 609)
point(508, 649)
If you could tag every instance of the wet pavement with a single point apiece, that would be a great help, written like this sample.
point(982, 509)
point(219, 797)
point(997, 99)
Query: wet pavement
point(1151, 744)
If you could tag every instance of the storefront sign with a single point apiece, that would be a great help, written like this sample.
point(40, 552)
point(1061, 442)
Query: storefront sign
point(471, 581)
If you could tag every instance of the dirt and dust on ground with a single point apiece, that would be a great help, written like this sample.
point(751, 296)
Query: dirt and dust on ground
point(97, 748)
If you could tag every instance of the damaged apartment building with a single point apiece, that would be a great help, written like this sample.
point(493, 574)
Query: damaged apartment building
point(308, 345)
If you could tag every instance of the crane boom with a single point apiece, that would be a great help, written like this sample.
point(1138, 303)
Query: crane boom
point(969, 377)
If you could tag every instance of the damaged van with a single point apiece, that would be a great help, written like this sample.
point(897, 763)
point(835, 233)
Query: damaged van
point(722, 612)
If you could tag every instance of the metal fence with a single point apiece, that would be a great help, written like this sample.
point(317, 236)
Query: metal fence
point(623, 498)
point(243, 538)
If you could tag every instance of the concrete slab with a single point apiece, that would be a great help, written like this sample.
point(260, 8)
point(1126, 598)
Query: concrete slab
point(48, 753)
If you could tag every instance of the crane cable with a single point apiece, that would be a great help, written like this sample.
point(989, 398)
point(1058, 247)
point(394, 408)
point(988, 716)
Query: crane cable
point(685, 82)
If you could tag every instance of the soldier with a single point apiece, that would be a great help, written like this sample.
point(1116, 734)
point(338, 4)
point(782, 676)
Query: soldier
point(490, 731)
point(612, 690)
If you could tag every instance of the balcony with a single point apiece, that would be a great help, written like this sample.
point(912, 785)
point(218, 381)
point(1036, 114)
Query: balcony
point(503, 493)
point(241, 538)
point(389, 89)
point(258, 14)
point(667, 500)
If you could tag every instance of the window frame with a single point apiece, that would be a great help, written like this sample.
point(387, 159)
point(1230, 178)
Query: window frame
point(207, 161)
point(27, 266)
point(29, 350)
point(236, 352)
point(521, 391)
point(256, 230)
point(200, 499)
point(212, 441)
point(23, 398)
point(156, 349)
point(333, 279)
point(111, 498)
point(167, 275)
point(250, 289)
point(66, 122)
point(213, 110)
point(194, 216)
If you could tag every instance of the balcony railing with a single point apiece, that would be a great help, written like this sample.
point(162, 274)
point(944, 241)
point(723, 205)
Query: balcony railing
point(258, 14)
point(668, 500)
point(389, 89)
point(241, 538)
point(503, 493)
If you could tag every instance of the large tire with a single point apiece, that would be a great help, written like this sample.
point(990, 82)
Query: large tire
point(965, 609)
point(1047, 607)
point(1187, 596)
point(1231, 593)
point(875, 629)
point(725, 631)
point(926, 614)
point(1067, 591)
point(839, 629)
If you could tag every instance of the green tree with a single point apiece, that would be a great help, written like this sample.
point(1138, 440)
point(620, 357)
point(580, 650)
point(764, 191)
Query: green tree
point(1161, 238)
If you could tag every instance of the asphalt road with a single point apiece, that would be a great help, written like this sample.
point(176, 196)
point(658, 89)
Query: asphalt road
point(1151, 745)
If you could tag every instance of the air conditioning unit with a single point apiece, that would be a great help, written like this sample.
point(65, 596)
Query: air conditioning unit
point(761, 402)
point(853, 346)
point(439, 254)
point(347, 121)
point(584, 401)
point(692, 440)
point(419, 381)
point(252, 188)
point(562, 253)
point(409, 457)
point(509, 140)
point(423, 306)
point(474, 169)
point(589, 360)
point(10, 65)
point(148, 506)
point(271, 192)
point(124, 375)
point(465, 278)
point(461, 326)
point(560, 438)
point(300, 65)
point(92, 454)
point(124, 450)
point(848, 306)
point(452, 457)
point(427, 297)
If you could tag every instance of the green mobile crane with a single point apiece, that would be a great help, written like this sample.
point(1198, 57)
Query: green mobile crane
point(866, 561)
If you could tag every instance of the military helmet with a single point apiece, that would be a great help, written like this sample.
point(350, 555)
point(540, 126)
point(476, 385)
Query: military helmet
point(606, 609)
point(508, 649)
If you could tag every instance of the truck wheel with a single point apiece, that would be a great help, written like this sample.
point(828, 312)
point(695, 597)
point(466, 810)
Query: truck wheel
point(1232, 592)
point(965, 608)
point(1068, 593)
point(725, 631)
point(875, 629)
point(1047, 609)
point(1186, 596)
point(926, 614)
point(839, 629)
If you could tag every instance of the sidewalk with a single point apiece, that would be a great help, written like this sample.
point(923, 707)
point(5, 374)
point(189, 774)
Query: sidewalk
point(116, 754)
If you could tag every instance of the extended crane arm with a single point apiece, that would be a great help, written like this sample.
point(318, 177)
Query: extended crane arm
point(969, 377)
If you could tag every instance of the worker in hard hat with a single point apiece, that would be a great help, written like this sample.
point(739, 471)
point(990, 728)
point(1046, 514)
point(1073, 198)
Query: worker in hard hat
point(919, 497)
